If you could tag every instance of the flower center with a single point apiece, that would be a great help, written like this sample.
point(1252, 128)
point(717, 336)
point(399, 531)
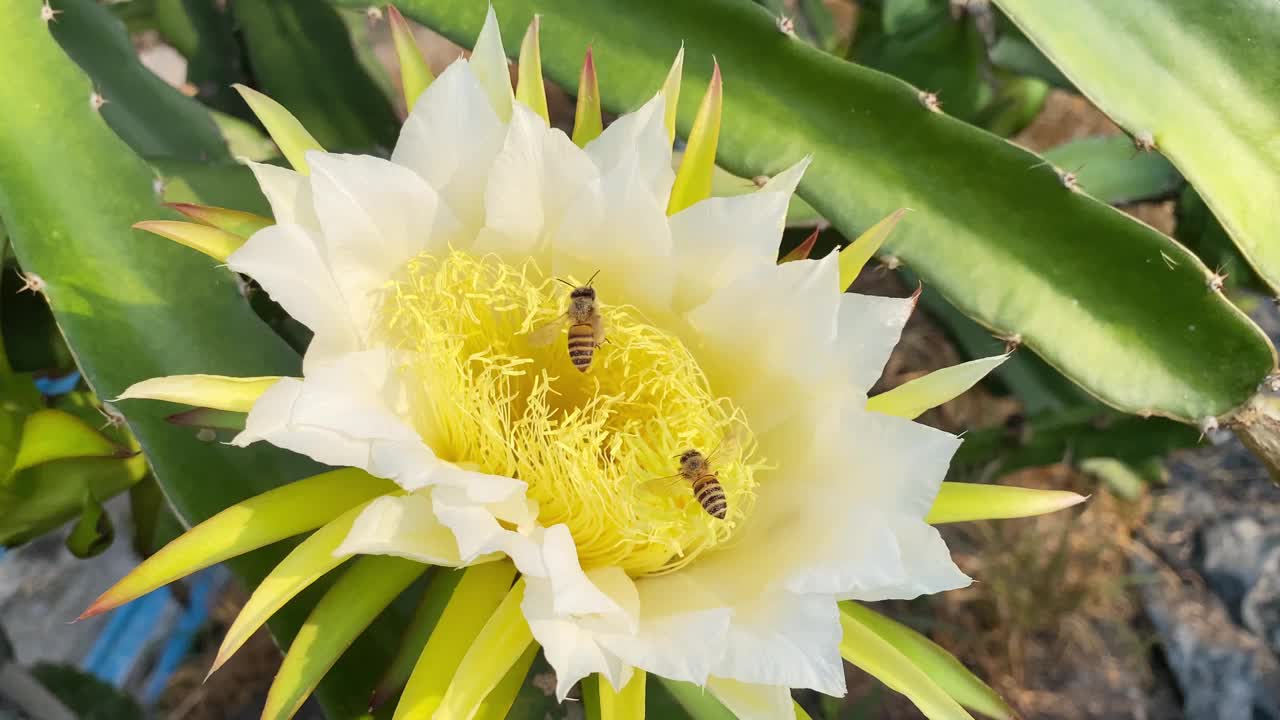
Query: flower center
point(600, 450)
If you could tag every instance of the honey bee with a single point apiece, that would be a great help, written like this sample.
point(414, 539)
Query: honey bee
point(586, 326)
point(695, 468)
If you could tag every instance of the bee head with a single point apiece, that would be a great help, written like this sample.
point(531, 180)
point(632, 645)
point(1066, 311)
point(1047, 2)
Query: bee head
point(690, 457)
point(583, 291)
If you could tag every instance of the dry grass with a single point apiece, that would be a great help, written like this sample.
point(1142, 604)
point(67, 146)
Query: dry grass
point(1052, 622)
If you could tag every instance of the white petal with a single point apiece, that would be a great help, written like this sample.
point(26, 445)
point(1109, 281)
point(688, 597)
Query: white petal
point(843, 515)
point(780, 638)
point(681, 633)
point(536, 175)
point(287, 261)
point(869, 328)
point(271, 419)
point(882, 475)
point(572, 649)
point(926, 563)
point(718, 240)
point(604, 622)
point(404, 526)
point(576, 594)
point(348, 412)
point(891, 462)
point(489, 61)
point(375, 215)
point(753, 702)
point(859, 552)
point(638, 138)
point(289, 194)
point(476, 526)
point(765, 337)
point(615, 225)
point(450, 139)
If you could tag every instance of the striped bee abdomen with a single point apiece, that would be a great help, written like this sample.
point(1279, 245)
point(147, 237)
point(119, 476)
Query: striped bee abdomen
point(710, 495)
point(582, 345)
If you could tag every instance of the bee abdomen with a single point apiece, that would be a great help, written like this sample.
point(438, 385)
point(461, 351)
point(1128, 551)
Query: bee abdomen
point(582, 345)
point(710, 495)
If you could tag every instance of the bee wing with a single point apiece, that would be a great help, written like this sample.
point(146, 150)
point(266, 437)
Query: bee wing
point(597, 325)
point(730, 445)
point(546, 334)
point(661, 484)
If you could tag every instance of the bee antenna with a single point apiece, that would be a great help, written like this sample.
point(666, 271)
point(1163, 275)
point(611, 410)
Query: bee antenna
point(592, 278)
point(566, 282)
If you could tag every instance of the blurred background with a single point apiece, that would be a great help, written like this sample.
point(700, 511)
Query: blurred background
point(1157, 599)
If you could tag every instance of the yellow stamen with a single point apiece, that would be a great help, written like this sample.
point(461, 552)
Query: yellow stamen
point(529, 87)
point(693, 181)
point(288, 133)
point(590, 445)
point(587, 123)
point(415, 75)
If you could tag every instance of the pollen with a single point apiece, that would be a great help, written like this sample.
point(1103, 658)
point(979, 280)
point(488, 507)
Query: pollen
point(598, 449)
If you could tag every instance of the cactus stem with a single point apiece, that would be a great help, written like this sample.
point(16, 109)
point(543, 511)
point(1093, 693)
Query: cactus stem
point(48, 14)
point(96, 101)
point(786, 25)
point(930, 101)
point(890, 262)
point(1144, 141)
point(1257, 424)
point(373, 13)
